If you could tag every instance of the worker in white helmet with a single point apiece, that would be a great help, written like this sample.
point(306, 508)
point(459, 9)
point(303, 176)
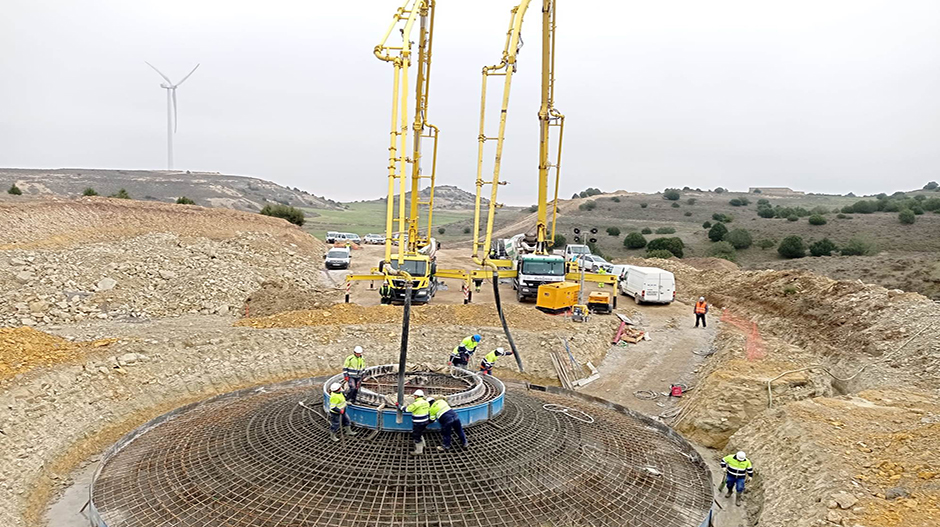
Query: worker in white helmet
point(737, 468)
point(419, 420)
point(352, 373)
point(486, 365)
point(338, 412)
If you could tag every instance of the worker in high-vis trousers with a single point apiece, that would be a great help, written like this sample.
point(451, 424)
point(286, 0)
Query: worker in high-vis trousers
point(450, 422)
point(338, 412)
point(460, 357)
point(701, 307)
point(352, 373)
point(737, 468)
point(486, 365)
point(419, 420)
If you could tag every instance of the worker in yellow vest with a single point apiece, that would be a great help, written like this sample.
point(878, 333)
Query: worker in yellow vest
point(338, 416)
point(352, 373)
point(737, 468)
point(701, 308)
point(450, 422)
point(419, 420)
point(460, 357)
point(486, 365)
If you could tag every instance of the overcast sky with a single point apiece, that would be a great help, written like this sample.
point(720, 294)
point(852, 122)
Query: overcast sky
point(820, 95)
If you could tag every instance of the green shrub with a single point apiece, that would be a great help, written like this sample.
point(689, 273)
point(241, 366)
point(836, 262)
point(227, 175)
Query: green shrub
point(724, 218)
point(687, 213)
point(735, 202)
point(441, 230)
point(837, 210)
point(817, 219)
point(719, 190)
point(533, 208)
point(291, 214)
point(823, 247)
point(707, 225)
point(891, 206)
point(819, 210)
point(842, 216)
point(121, 194)
point(920, 197)
point(691, 201)
point(15, 190)
point(745, 201)
point(588, 205)
point(739, 238)
point(89, 192)
point(665, 230)
point(672, 194)
point(856, 247)
point(659, 253)
point(647, 230)
point(757, 191)
point(717, 232)
point(644, 205)
point(590, 191)
point(931, 204)
point(634, 240)
point(676, 205)
point(931, 186)
point(613, 231)
point(763, 201)
point(766, 244)
point(792, 247)
point(559, 241)
point(766, 212)
point(861, 207)
point(466, 230)
point(907, 217)
point(673, 245)
point(183, 200)
point(793, 217)
point(917, 210)
point(723, 250)
point(575, 196)
point(615, 199)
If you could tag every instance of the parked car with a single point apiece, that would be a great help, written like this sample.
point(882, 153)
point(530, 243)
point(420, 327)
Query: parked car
point(375, 239)
point(593, 263)
point(331, 236)
point(347, 237)
point(337, 258)
point(648, 284)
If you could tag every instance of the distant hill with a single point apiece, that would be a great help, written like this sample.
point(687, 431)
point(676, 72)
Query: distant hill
point(446, 197)
point(205, 188)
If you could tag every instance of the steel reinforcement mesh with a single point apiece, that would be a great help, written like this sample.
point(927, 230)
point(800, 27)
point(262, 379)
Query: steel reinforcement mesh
point(263, 460)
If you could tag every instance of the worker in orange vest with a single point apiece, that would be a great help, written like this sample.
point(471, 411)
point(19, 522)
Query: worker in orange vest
point(701, 307)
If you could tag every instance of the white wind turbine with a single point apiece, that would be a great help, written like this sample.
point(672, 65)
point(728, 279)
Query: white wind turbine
point(170, 111)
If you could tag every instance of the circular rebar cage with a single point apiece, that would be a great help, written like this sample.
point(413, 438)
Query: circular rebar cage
point(257, 458)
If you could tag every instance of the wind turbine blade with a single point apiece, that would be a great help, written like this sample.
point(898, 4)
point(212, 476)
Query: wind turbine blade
point(168, 81)
point(186, 77)
point(174, 109)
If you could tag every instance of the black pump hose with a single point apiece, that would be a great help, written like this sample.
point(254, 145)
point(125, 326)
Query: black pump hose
point(502, 318)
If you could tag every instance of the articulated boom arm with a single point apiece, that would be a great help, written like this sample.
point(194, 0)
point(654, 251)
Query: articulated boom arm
point(400, 165)
point(548, 117)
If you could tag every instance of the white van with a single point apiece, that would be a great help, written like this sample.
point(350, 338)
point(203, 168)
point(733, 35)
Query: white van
point(648, 284)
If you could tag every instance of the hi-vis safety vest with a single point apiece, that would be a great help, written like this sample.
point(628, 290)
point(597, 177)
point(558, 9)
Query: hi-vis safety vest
point(337, 402)
point(439, 408)
point(419, 411)
point(737, 468)
point(353, 366)
point(701, 308)
point(490, 360)
point(468, 345)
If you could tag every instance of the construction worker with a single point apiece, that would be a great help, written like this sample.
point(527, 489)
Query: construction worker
point(352, 373)
point(338, 412)
point(601, 270)
point(486, 365)
point(419, 420)
point(737, 467)
point(450, 422)
point(701, 308)
point(386, 293)
point(460, 357)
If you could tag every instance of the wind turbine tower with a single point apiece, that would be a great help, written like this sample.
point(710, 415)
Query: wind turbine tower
point(170, 111)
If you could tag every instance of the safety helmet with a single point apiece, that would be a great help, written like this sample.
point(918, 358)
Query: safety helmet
point(477, 338)
point(335, 387)
point(419, 393)
point(499, 351)
point(701, 299)
point(740, 456)
point(358, 350)
point(430, 399)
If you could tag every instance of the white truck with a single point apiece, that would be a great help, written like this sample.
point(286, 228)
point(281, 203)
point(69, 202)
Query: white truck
point(648, 284)
point(574, 251)
point(532, 270)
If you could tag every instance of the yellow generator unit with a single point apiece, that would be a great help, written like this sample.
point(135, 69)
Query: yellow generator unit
point(600, 302)
point(557, 297)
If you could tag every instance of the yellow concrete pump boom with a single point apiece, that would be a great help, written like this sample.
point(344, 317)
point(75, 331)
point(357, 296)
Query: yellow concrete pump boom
point(400, 165)
point(548, 117)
